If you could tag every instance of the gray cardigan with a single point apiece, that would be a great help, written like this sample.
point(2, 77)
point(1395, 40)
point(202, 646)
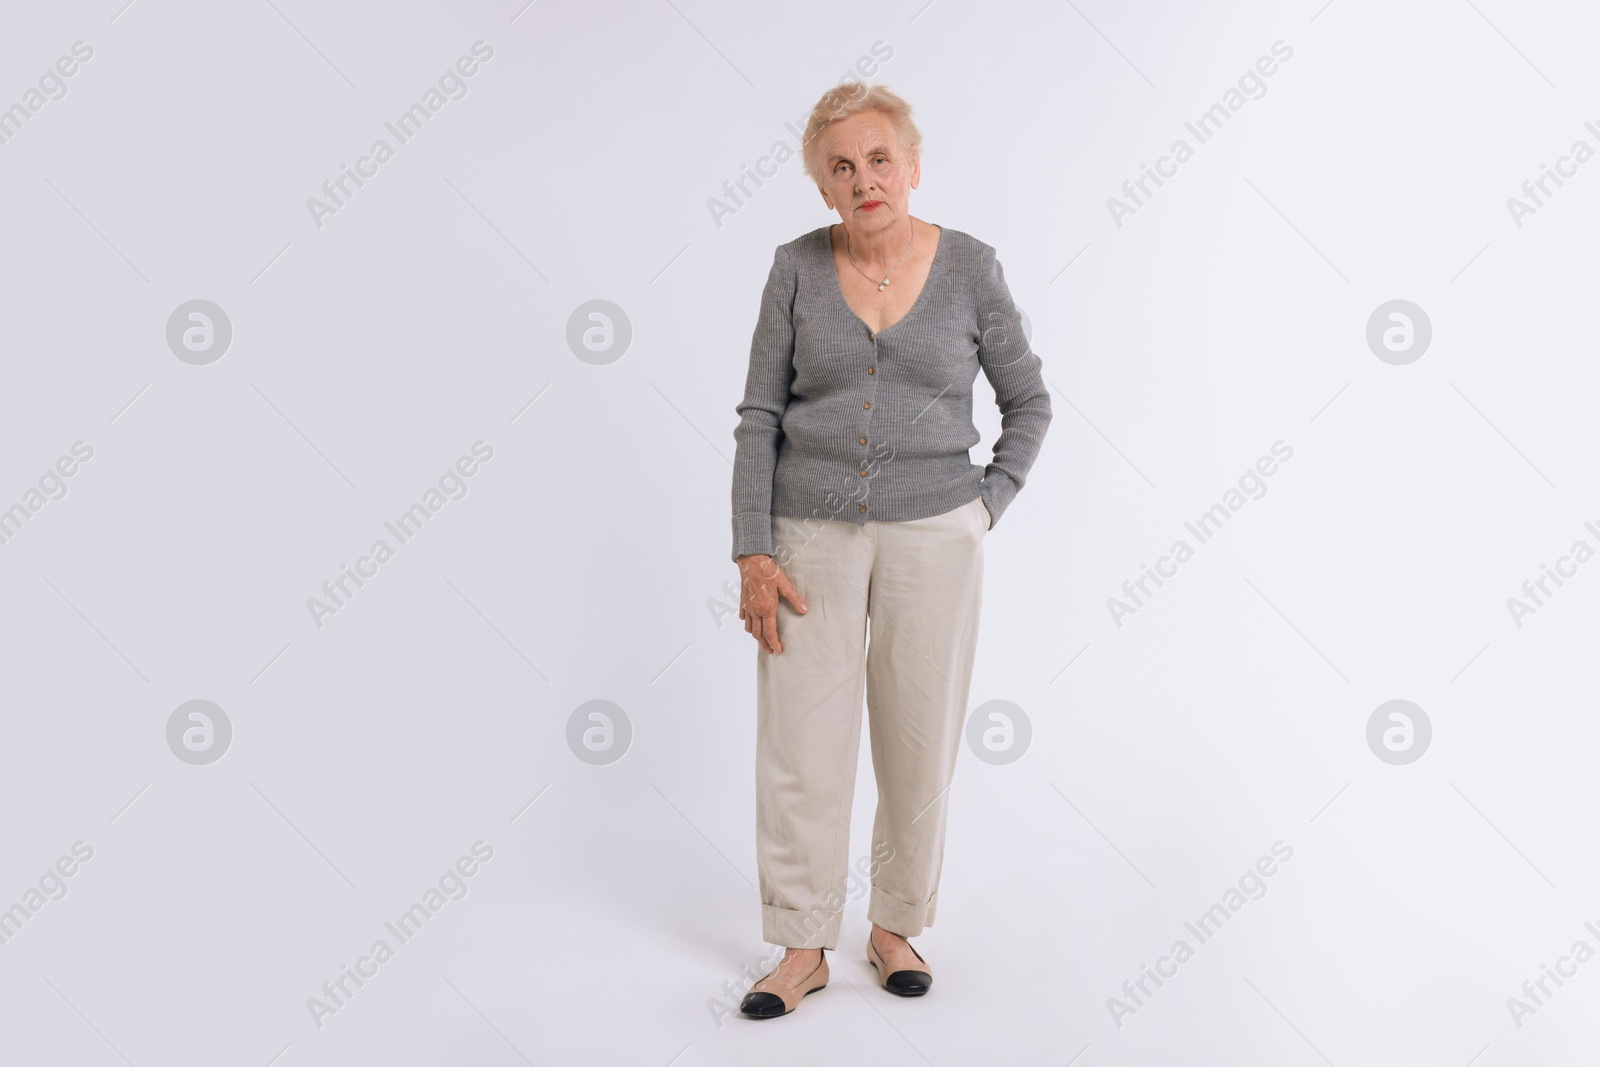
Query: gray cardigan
point(839, 423)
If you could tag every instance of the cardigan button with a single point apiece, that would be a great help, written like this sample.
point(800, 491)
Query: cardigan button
point(868, 404)
point(863, 507)
point(863, 474)
point(863, 440)
point(872, 370)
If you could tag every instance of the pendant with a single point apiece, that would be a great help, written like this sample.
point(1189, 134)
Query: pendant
point(882, 284)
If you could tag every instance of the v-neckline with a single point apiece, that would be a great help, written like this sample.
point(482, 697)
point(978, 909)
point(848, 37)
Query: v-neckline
point(838, 287)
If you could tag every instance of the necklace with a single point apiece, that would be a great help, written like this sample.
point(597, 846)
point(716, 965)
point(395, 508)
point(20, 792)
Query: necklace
point(864, 274)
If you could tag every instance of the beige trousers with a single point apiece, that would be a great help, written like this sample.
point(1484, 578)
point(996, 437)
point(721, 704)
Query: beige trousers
point(920, 585)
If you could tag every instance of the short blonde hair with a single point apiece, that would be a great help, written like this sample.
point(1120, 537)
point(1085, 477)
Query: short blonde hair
point(852, 98)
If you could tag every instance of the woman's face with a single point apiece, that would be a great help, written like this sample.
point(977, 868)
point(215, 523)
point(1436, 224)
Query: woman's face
point(869, 177)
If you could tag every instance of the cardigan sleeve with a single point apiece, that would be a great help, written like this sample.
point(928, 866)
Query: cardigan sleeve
point(766, 396)
point(1016, 373)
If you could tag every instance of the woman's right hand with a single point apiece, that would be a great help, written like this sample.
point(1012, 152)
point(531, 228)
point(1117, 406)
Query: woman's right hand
point(761, 584)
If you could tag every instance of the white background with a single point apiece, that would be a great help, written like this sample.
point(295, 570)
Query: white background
point(430, 312)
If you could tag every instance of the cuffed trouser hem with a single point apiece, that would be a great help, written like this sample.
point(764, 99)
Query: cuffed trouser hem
point(898, 917)
point(800, 929)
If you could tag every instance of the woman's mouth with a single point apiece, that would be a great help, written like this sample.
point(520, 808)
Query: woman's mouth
point(871, 205)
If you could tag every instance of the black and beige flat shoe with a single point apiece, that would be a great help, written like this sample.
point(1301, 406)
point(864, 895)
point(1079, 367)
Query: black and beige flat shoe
point(776, 1000)
point(903, 983)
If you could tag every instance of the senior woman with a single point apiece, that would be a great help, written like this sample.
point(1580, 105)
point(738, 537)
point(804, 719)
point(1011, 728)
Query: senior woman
point(855, 502)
